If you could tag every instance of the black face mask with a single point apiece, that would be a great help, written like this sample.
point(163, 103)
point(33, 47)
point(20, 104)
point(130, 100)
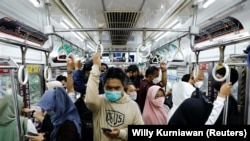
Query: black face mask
point(217, 85)
point(132, 77)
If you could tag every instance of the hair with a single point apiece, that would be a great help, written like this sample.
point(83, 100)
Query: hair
point(132, 68)
point(104, 64)
point(233, 74)
point(185, 77)
point(61, 78)
point(127, 84)
point(118, 73)
point(151, 70)
point(87, 66)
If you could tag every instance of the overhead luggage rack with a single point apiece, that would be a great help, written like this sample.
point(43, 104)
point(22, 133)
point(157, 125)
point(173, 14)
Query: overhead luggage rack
point(21, 30)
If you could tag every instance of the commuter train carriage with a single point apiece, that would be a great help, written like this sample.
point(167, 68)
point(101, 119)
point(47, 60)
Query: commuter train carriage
point(38, 36)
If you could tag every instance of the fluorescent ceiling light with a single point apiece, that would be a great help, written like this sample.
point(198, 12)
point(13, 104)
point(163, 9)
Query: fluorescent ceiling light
point(77, 35)
point(207, 3)
point(68, 23)
point(172, 25)
point(36, 3)
point(90, 47)
point(64, 25)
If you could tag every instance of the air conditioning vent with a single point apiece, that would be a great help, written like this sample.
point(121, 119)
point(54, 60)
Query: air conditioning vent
point(123, 19)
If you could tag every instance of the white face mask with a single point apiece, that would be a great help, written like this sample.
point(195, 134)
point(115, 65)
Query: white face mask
point(133, 95)
point(156, 80)
point(198, 84)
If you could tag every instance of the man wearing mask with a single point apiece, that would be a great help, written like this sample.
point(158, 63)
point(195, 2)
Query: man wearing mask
point(111, 109)
point(152, 73)
point(134, 75)
point(183, 90)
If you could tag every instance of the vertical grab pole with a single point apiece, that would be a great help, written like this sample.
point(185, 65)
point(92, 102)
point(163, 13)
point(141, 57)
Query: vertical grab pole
point(14, 88)
point(246, 111)
point(226, 77)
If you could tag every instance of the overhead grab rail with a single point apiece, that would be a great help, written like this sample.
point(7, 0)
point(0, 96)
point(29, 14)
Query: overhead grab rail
point(22, 68)
point(13, 66)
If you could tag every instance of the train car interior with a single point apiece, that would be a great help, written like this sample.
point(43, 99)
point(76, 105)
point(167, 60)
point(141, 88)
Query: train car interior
point(38, 36)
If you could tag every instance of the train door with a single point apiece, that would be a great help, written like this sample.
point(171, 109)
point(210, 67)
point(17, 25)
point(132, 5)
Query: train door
point(35, 84)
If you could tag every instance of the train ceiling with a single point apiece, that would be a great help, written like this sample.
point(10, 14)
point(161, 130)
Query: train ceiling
point(134, 14)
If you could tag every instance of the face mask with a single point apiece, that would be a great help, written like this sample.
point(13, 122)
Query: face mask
point(156, 80)
point(132, 77)
point(217, 85)
point(51, 113)
point(159, 101)
point(113, 96)
point(198, 84)
point(133, 95)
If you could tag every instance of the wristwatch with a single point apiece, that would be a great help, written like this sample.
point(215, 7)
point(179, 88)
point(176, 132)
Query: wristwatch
point(69, 72)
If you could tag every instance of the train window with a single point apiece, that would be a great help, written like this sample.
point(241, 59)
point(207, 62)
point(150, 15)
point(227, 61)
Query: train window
point(171, 78)
point(204, 87)
point(34, 88)
point(5, 85)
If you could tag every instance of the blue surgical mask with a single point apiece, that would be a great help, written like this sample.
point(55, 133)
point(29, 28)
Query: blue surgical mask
point(113, 96)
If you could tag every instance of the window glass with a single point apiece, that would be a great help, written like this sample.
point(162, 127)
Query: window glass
point(34, 88)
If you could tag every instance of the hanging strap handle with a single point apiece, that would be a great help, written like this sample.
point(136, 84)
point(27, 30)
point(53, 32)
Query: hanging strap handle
point(23, 68)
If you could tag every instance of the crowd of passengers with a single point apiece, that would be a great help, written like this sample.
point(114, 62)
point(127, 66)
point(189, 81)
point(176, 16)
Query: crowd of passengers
point(113, 98)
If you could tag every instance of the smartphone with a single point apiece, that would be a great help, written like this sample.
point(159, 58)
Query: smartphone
point(107, 129)
point(32, 134)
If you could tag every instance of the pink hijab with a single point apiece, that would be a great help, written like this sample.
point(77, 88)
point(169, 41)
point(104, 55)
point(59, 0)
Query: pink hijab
point(153, 114)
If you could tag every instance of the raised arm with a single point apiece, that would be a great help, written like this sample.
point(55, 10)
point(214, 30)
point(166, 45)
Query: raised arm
point(92, 97)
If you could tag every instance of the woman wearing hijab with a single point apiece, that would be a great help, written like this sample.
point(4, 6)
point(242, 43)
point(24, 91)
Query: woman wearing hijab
point(155, 112)
point(63, 114)
point(8, 122)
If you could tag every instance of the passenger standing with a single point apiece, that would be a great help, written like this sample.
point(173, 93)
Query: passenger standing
point(197, 111)
point(134, 75)
point(114, 109)
point(155, 112)
point(183, 90)
point(151, 73)
point(80, 78)
point(8, 123)
point(131, 90)
point(63, 114)
point(233, 117)
point(200, 111)
point(63, 80)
